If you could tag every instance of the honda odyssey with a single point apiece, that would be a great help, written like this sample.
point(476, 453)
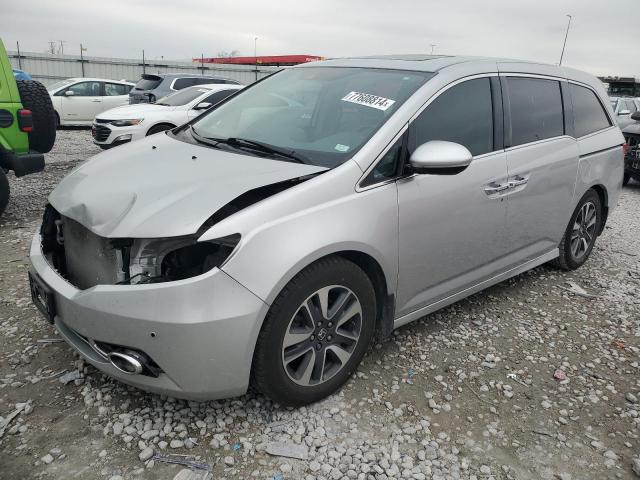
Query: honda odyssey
point(267, 241)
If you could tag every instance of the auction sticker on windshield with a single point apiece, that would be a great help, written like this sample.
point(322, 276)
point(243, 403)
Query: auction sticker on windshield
point(369, 100)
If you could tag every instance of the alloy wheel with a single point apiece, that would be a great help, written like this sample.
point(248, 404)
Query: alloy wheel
point(322, 335)
point(583, 232)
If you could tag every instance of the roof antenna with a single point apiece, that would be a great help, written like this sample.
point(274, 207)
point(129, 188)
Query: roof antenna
point(565, 39)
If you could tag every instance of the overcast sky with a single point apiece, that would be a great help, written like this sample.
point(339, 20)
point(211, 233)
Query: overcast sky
point(603, 40)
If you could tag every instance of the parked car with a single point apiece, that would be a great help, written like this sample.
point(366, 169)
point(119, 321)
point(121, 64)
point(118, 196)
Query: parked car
point(267, 240)
point(77, 101)
point(632, 156)
point(27, 126)
point(153, 86)
point(624, 107)
point(132, 122)
point(21, 74)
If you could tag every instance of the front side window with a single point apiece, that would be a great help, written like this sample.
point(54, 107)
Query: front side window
point(630, 105)
point(116, 89)
point(588, 114)
point(462, 114)
point(536, 109)
point(324, 114)
point(387, 167)
point(85, 89)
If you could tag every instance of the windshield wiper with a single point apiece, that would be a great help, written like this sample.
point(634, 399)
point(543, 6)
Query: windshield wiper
point(262, 147)
point(249, 144)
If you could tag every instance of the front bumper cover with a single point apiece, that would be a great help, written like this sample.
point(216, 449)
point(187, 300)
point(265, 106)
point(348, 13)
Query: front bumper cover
point(201, 331)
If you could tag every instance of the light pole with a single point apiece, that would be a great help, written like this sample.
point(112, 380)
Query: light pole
point(433, 45)
point(255, 46)
point(565, 38)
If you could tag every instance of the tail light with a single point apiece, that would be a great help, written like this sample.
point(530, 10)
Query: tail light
point(25, 120)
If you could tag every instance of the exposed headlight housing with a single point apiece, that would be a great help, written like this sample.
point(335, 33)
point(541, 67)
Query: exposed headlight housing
point(159, 260)
point(127, 123)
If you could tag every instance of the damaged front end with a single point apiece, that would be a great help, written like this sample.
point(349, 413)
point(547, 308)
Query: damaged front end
point(85, 259)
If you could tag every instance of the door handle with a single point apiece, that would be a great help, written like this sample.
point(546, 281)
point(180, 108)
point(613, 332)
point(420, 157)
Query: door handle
point(493, 188)
point(96, 100)
point(518, 181)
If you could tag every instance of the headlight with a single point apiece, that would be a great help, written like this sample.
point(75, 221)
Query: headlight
point(126, 123)
point(168, 259)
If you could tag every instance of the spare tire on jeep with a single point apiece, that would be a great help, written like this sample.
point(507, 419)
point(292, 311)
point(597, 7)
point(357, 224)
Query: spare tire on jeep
point(34, 96)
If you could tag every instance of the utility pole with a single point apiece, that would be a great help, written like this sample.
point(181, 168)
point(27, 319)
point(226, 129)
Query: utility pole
point(202, 63)
point(19, 58)
point(82, 49)
point(255, 54)
point(143, 65)
point(565, 38)
point(433, 45)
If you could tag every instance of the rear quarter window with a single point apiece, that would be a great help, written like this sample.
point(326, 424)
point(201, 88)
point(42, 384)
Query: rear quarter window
point(536, 109)
point(181, 83)
point(589, 115)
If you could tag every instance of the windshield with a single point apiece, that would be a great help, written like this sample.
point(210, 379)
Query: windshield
point(182, 97)
point(60, 84)
point(325, 114)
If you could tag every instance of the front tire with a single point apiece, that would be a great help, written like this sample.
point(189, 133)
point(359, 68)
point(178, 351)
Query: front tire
point(625, 179)
point(581, 233)
point(316, 333)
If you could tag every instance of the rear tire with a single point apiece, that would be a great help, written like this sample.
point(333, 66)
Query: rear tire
point(34, 96)
point(326, 338)
point(159, 128)
point(4, 191)
point(581, 233)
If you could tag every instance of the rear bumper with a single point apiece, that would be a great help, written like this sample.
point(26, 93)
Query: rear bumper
point(21, 164)
point(201, 332)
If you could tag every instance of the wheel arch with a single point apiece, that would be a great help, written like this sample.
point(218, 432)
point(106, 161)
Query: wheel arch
point(168, 124)
point(370, 265)
point(601, 190)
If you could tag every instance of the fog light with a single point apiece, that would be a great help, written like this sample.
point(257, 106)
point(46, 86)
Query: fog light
point(123, 138)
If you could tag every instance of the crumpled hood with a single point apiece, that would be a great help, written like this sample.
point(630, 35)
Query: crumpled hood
point(139, 191)
point(132, 111)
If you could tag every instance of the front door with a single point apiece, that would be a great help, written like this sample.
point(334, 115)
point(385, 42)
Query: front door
point(83, 104)
point(452, 228)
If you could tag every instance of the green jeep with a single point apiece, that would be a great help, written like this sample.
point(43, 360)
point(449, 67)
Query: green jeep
point(27, 126)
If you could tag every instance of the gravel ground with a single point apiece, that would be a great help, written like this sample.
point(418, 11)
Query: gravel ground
point(535, 378)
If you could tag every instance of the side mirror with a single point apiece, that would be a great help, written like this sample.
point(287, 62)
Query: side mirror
point(440, 158)
point(69, 93)
point(202, 106)
point(624, 112)
point(636, 116)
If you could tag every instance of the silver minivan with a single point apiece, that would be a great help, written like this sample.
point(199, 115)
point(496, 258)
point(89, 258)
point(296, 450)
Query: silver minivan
point(266, 242)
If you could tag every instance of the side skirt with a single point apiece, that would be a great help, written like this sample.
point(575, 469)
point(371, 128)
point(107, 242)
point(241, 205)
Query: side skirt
point(410, 317)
